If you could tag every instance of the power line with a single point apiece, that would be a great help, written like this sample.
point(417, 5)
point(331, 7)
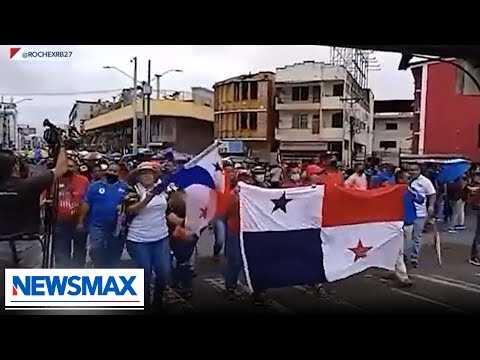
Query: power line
point(86, 92)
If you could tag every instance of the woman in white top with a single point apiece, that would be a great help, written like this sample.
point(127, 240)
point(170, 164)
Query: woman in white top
point(148, 242)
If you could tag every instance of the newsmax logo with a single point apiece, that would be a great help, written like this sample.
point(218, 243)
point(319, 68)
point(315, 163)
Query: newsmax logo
point(28, 289)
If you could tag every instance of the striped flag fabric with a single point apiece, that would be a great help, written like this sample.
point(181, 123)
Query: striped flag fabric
point(311, 235)
point(203, 180)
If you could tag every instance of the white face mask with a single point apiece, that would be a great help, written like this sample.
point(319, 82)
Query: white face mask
point(260, 178)
point(295, 177)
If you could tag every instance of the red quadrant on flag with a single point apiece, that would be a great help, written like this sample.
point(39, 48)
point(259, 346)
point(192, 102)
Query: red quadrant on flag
point(343, 206)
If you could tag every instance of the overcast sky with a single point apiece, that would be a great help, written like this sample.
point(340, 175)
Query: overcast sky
point(203, 65)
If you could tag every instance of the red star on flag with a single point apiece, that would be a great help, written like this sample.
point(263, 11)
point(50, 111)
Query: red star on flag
point(203, 213)
point(360, 251)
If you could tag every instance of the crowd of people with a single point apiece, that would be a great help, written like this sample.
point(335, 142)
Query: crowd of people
point(106, 206)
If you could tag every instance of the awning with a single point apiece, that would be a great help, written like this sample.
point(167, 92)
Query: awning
point(295, 146)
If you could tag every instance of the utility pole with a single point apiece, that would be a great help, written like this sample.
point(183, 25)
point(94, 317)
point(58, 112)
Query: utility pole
point(144, 122)
point(353, 126)
point(148, 92)
point(158, 85)
point(134, 107)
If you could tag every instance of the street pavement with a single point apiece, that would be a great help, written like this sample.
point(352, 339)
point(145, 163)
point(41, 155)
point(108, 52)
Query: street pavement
point(453, 288)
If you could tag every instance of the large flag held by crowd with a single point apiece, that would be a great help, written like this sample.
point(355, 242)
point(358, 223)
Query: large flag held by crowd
point(311, 235)
point(298, 236)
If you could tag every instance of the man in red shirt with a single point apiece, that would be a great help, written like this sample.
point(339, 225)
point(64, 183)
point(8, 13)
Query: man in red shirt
point(72, 188)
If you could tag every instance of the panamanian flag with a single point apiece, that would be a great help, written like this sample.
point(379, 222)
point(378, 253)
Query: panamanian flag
point(203, 180)
point(311, 235)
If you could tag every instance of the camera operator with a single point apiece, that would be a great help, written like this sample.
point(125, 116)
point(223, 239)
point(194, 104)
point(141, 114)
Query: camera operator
point(20, 244)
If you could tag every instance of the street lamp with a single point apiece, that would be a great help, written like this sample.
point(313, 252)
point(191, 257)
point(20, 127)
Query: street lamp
point(119, 70)
point(158, 76)
point(134, 100)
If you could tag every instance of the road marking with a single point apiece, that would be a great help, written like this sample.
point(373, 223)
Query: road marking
point(416, 296)
point(218, 283)
point(334, 298)
point(456, 281)
point(447, 283)
point(423, 298)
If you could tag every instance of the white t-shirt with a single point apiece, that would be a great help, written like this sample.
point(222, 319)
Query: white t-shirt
point(150, 224)
point(424, 187)
point(276, 174)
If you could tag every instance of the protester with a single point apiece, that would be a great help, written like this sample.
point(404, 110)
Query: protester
point(72, 189)
point(275, 176)
point(457, 195)
point(148, 242)
point(101, 209)
point(424, 187)
point(358, 180)
point(410, 199)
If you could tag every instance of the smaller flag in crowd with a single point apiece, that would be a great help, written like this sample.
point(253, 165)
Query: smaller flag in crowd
point(312, 235)
point(202, 179)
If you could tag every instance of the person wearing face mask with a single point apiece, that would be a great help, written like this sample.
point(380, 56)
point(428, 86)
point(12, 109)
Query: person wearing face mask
point(294, 178)
point(71, 189)
point(358, 180)
point(101, 204)
point(258, 174)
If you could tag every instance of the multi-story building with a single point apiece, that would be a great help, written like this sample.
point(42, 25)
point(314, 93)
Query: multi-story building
point(25, 134)
point(186, 123)
point(322, 109)
point(392, 129)
point(81, 111)
point(244, 110)
point(447, 108)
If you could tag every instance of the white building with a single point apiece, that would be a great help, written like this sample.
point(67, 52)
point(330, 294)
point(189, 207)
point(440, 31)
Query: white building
point(322, 108)
point(393, 129)
point(81, 111)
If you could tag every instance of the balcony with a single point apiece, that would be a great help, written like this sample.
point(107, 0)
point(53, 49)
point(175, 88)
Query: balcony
point(332, 103)
point(297, 106)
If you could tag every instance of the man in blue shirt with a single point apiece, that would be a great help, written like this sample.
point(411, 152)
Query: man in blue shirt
point(410, 198)
point(101, 207)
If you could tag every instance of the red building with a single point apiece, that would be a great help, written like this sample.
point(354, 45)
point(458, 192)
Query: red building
point(447, 110)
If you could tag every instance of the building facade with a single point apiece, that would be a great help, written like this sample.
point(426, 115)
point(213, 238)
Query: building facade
point(185, 125)
point(392, 129)
point(244, 110)
point(82, 111)
point(321, 109)
point(447, 105)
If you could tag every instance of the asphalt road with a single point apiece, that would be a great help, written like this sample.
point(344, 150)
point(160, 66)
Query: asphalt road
point(453, 288)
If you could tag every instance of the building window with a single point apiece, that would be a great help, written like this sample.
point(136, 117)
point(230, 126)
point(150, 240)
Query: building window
point(411, 126)
point(337, 120)
point(391, 126)
point(338, 90)
point(316, 124)
point(300, 93)
point(388, 144)
point(237, 121)
point(253, 90)
point(253, 120)
point(245, 91)
point(300, 121)
point(243, 120)
point(316, 94)
point(236, 92)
